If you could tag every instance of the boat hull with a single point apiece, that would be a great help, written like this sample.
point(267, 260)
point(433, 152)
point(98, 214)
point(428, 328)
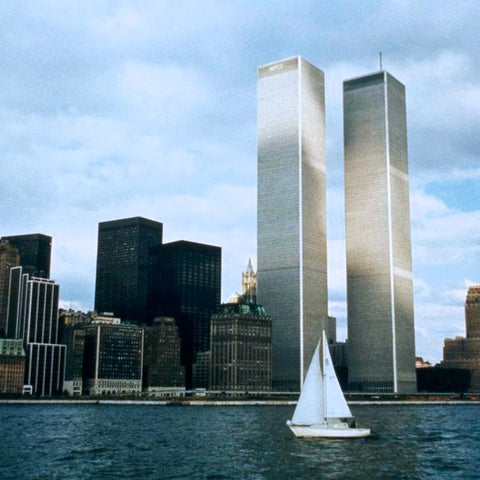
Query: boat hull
point(329, 431)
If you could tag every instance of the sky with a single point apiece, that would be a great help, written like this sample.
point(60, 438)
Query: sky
point(113, 109)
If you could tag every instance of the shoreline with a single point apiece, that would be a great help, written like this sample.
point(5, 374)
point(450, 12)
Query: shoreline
point(222, 403)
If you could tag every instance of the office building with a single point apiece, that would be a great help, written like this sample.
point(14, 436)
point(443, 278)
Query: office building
point(45, 369)
point(72, 335)
point(292, 241)
point(161, 360)
point(465, 352)
point(33, 317)
point(12, 365)
point(186, 285)
point(381, 343)
point(9, 258)
point(113, 357)
point(122, 267)
point(241, 349)
point(35, 251)
point(16, 303)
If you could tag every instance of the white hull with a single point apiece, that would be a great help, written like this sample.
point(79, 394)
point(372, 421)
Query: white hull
point(323, 430)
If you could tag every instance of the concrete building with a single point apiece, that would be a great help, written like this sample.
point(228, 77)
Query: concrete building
point(241, 349)
point(122, 266)
point(381, 342)
point(12, 365)
point(161, 360)
point(465, 352)
point(292, 244)
point(113, 357)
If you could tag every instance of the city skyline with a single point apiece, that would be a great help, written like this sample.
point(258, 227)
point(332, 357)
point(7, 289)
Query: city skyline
point(130, 110)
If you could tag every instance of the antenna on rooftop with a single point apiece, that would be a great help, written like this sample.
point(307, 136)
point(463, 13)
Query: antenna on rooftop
point(380, 60)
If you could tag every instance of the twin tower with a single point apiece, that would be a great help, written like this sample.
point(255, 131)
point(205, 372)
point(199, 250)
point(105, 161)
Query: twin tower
point(292, 240)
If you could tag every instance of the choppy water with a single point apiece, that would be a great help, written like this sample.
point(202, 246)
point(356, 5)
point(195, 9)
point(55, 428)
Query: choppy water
point(252, 442)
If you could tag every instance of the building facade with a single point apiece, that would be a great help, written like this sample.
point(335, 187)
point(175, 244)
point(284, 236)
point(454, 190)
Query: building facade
point(45, 368)
point(186, 285)
point(12, 365)
point(113, 358)
point(9, 258)
point(161, 360)
point(122, 266)
point(33, 317)
point(465, 352)
point(35, 251)
point(72, 335)
point(291, 222)
point(241, 349)
point(381, 342)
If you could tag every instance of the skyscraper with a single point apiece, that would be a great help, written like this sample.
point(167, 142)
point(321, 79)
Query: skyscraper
point(186, 284)
point(381, 342)
point(122, 266)
point(35, 252)
point(33, 317)
point(292, 247)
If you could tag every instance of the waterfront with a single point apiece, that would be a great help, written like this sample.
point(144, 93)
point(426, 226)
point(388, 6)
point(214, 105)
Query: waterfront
point(233, 442)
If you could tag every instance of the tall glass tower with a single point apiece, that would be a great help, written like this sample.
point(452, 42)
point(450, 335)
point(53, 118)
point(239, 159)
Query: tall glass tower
point(381, 341)
point(122, 266)
point(292, 251)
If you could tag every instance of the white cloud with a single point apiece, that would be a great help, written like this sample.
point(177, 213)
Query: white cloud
point(109, 110)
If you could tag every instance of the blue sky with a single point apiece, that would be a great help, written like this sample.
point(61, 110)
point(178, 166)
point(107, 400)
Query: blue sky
point(111, 109)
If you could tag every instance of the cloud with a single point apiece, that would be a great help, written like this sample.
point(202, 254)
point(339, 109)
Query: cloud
point(109, 110)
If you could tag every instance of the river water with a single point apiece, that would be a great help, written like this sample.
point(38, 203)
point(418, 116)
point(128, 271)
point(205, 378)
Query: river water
point(233, 442)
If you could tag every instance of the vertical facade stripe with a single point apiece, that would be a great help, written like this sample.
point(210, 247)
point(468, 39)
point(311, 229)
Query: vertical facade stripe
point(390, 234)
point(300, 215)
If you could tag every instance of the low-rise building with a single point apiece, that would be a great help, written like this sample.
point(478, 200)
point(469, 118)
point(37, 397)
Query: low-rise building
point(12, 365)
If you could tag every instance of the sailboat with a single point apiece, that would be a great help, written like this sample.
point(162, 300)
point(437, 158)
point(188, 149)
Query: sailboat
point(322, 410)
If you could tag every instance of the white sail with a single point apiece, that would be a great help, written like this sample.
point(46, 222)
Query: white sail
point(310, 405)
point(335, 403)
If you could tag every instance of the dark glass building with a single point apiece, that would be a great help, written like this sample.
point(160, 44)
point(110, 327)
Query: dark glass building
point(185, 280)
point(35, 253)
point(122, 266)
point(9, 258)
